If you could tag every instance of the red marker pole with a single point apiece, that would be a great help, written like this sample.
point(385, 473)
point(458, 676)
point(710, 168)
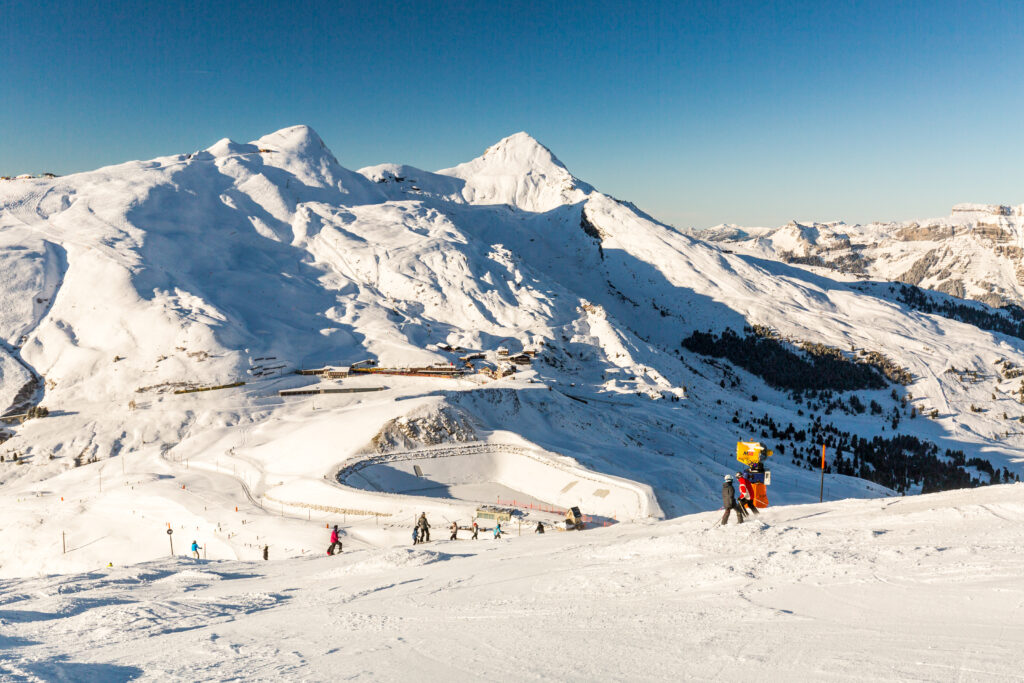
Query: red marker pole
point(821, 494)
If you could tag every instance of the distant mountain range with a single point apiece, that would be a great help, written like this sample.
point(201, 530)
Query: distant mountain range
point(977, 252)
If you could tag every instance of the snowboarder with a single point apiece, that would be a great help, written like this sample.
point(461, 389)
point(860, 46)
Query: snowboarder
point(334, 541)
point(195, 549)
point(729, 501)
point(746, 494)
point(476, 530)
point(540, 528)
point(497, 530)
point(424, 527)
point(455, 531)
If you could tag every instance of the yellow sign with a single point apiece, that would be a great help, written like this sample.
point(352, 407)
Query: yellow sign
point(750, 452)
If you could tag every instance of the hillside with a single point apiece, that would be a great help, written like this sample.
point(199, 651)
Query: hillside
point(245, 262)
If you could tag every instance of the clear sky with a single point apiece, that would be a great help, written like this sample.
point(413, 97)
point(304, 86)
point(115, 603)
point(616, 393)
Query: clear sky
point(699, 112)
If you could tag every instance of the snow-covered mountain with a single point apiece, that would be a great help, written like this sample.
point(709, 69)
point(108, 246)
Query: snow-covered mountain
point(977, 252)
point(245, 262)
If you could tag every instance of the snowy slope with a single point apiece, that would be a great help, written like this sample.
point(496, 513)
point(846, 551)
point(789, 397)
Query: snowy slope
point(917, 588)
point(245, 261)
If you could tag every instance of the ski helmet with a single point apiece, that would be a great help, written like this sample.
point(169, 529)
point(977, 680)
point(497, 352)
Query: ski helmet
point(728, 477)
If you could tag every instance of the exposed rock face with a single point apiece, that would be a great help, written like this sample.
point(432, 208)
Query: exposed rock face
point(995, 233)
point(924, 233)
point(428, 428)
point(952, 287)
point(919, 271)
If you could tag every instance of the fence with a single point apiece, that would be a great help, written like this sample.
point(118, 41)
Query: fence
point(328, 508)
point(561, 512)
point(532, 506)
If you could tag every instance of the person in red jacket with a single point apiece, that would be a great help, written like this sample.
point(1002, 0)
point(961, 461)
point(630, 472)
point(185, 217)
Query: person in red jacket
point(334, 541)
point(746, 494)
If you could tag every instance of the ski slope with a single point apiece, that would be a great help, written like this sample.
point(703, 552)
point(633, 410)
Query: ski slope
point(912, 588)
point(158, 309)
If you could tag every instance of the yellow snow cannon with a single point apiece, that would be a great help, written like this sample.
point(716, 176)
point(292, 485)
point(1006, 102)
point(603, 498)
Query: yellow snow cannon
point(752, 454)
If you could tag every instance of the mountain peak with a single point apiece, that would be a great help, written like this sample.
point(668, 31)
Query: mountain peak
point(520, 171)
point(300, 139)
point(523, 150)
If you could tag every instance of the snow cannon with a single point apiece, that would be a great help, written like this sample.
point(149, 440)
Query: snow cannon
point(752, 454)
point(573, 519)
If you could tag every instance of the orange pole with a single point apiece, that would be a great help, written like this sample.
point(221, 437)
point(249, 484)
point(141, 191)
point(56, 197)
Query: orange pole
point(821, 492)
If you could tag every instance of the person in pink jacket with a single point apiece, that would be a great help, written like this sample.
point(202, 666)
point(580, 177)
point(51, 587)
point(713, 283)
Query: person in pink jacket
point(334, 541)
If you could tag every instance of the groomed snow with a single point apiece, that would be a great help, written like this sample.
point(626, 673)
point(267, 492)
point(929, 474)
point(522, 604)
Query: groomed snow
point(916, 588)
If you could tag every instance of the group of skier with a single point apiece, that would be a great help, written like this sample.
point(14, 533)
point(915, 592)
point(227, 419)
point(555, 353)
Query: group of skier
point(421, 531)
point(730, 502)
point(743, 506)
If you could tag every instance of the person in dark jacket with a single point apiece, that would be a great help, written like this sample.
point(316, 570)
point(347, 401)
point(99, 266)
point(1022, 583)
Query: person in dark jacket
point(476, 530)
point(540, 528)
point(424, 527)
point(266, 552)
point(334, 541)
point(746, 494)
point(729, 501)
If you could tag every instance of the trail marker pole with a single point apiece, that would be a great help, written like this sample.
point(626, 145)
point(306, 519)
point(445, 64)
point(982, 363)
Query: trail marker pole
point(63, 544)
point(170, 535)
point(821, 492)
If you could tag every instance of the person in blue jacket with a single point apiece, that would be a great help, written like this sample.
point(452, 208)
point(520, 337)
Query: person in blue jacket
point(195, 549)
point(497, 530)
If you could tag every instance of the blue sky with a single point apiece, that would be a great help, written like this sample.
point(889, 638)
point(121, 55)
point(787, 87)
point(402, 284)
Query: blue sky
point(699, 112)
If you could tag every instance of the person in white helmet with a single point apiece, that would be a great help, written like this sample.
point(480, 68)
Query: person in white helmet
point(729, 501)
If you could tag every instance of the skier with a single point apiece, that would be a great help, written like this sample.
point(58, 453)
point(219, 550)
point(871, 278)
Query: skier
point(476, 530)
point(415, 535)
point(729, 501)
point(334, 541)
point(455, 531)
point(540, 528)
point(497, 530)
point(746, 494)
point(424, 527)
point(266, 552)
point(195, 549)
